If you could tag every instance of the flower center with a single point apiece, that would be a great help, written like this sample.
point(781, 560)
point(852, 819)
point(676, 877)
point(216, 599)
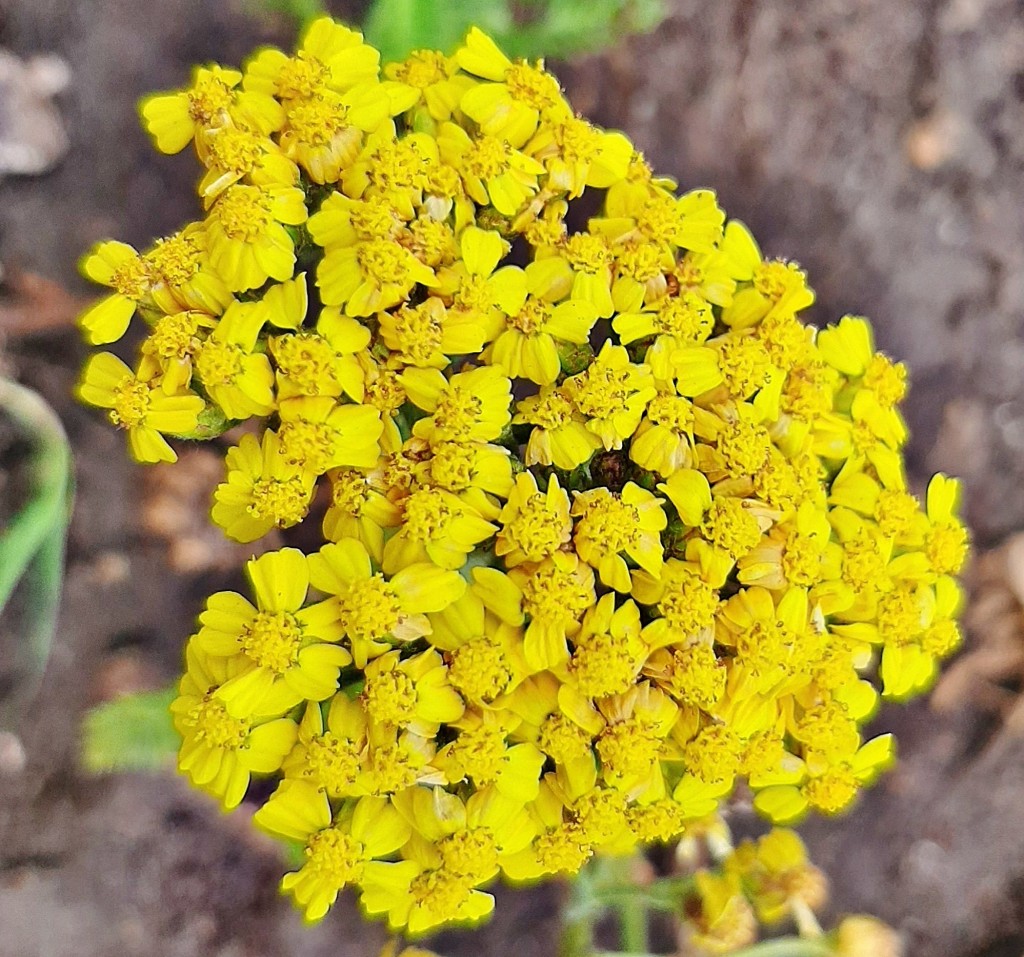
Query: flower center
point(273, 640)
point(335, 858)
point(471, 854)
point(533, 87)
point(132, 278)
point(281, 501)
point(369, 609)
point(731, 527)
point(588, 253)
point(427, 515)
point(220, 362)
point(479, 670)
point(318, 120)
point(331, 762)
point(487, 158)
point(311, 445)
point(608, 525)
point(532, 318)
point(554, 593)
point(131, 401)
point(301, 77)
point(307, 361)
point(209, 97)
point(235, 150)
point(214, 727)
point(349, 492)
point(745, 364)
point(244, 213)
point(391, 697)
point(562, 739)
point(177, 259)
point(695, 676)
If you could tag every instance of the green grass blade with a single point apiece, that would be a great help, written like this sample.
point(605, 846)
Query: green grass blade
point(133, 733)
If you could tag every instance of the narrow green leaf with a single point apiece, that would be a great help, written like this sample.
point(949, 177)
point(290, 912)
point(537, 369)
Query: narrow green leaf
point(32, 543)
point(133, 733)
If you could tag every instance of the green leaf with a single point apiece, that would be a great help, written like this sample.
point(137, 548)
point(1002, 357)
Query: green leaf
point(563, 28)
point(133, 733)
point(397, 27)
point(32, 543)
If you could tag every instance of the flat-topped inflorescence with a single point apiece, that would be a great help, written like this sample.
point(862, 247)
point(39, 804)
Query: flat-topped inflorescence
point(608, 530)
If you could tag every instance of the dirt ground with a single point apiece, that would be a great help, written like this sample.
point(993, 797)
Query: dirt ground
point(880, 143)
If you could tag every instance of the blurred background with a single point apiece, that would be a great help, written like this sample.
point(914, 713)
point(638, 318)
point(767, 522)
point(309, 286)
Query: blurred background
point(879, 143)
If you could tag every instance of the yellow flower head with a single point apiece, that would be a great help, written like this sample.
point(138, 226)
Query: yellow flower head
point(595, 528)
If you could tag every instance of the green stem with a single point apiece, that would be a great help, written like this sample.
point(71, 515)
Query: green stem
point(577, 919)
point(787, 947)
point(32, 544)
point(633, 925)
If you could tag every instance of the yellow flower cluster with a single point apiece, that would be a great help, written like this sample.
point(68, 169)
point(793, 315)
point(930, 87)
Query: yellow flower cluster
point(607, 530)
point(760, 882)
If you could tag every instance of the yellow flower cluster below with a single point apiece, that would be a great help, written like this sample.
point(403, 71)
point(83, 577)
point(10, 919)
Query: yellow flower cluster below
point(608, 530)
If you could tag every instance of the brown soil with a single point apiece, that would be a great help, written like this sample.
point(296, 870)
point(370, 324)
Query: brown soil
point(879, 143)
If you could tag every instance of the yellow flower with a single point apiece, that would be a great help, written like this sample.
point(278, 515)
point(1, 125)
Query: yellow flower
point(516, 655)
point(470, 406)
point(772, 287)
point(576, 155)
point(371, 610)
point(323, 362)
point(559, 436)
point(534, 524)
point(613, 394)
point(413, 693)
point(330, 56)
point(330, 755)
point(537, 318)
point(484, 653)
point(555, 595)
point(220, 752)
point(261, 490)
point(318, 434)
point(370, 276)
point(234, 154)
point(725, 920)
point(778, 875)
point(630, 731)
point(609, 649)
point(434, 77)
point(184, 278)
point(608, 525)
point(175, 119)
point(359, 511)
point(685, 602)
point(664, 440)
point(339, 849)
point(591, 257)
point(475, 471)
point(437, 527)
point(237, 378)
point(493, 172)
point(247, 240)
point(140, 405)
point(674, 322)
point(482, 754)
point(120, 267)
point(324, 133)
point(827, 786)
point(946, 539)
point(280, 643)
point(561, 846)
point(517, 96)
